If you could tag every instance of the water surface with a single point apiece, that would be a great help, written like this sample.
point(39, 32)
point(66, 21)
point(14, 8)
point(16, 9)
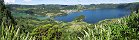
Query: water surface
point(94, 16)
point(91, 16)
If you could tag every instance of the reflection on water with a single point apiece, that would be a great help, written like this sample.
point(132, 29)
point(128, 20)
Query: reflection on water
point(91, 16)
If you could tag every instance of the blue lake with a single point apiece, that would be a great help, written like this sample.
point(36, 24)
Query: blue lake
point(91, 16)
point(94, 16)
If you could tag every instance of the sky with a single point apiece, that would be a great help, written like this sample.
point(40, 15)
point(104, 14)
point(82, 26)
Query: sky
point(67, 2)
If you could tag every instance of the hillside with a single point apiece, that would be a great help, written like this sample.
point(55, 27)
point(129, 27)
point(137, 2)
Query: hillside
point(28, 28)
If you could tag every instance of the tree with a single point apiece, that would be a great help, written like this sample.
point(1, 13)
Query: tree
point(2, 7)
point(5, 13)
point(79, 18)
point(80, 7)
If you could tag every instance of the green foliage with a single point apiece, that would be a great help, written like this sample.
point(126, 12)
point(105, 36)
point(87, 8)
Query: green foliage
point(8, 27)
point(6, 13)
point(11, 33)
point(79, 18)
point(133, 23)
point(47, 32)
point(133, 20)
point(126, 28)
point(116, 29)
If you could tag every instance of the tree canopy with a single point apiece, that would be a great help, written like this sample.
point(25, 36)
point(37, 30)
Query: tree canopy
point(5, 13)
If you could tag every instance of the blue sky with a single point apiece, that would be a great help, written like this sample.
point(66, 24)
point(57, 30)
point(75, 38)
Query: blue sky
point(66, 2)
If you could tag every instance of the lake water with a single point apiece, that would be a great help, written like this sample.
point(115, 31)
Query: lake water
point(94, 16)
point(25, 15)
point(91, 16)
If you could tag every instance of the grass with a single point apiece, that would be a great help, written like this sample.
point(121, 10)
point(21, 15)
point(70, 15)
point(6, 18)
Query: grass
point(11, 33)
point(125, 28)
point(116, 29)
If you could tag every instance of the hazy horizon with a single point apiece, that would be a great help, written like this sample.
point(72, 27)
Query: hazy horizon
point(67, 2)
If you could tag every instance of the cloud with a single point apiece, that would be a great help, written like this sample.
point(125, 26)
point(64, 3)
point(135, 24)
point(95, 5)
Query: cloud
point(27, 0)
point(9, 1)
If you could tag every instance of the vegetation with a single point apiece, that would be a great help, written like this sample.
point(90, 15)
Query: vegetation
point(57, 10)
point(80, 18)
point(125, 28)
point(115, 29)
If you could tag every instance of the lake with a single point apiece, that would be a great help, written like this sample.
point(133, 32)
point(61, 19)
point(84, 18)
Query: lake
point(94, 16)
point(91, 16)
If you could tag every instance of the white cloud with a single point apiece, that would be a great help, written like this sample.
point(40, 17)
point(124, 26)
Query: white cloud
point(27, 0)
point(9, 1)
